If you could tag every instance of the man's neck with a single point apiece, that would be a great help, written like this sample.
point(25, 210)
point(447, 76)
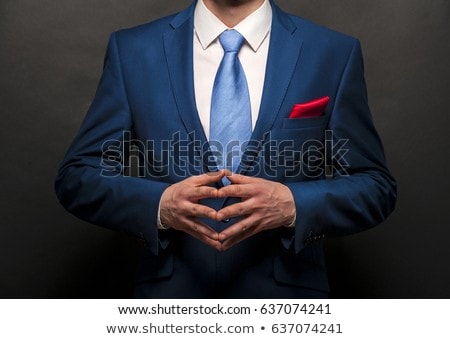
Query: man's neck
point(232, 12)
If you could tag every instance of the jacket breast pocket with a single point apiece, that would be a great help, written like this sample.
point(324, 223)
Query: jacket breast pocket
point(296, 151)
point(315, 122)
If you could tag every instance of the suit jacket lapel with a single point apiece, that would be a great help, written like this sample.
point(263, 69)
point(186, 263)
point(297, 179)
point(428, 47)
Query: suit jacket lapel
point(284, 52)
point(178, 46)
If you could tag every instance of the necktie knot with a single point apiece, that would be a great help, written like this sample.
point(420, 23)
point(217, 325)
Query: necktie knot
point(231, 40)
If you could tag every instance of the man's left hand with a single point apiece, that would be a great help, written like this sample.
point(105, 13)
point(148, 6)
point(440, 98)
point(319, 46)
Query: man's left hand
point(264, 205)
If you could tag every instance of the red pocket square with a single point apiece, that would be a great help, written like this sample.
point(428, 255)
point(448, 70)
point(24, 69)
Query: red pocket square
point(310, 109)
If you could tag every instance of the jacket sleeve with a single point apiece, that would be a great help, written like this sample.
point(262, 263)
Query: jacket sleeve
point(361, 192)
point(91, 182)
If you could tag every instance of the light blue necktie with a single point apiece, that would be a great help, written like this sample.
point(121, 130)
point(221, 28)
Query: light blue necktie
point(230, 120)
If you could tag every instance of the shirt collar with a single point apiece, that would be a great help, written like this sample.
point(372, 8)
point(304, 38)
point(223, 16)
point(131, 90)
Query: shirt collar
point(253, 28)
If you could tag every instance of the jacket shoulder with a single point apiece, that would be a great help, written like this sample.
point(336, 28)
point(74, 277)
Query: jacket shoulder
point(145, 31)
point(157, 27)
point(321, 34)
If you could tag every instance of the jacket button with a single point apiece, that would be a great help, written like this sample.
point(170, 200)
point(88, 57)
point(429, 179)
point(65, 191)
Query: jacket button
point(226, 221)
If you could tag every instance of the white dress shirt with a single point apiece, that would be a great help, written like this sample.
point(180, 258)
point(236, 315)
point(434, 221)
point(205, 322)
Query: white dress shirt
point(208, 54)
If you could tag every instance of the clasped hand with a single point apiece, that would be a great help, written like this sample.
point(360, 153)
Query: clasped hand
point(263, 205)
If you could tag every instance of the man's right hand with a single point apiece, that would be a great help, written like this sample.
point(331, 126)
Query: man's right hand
point(180, 210)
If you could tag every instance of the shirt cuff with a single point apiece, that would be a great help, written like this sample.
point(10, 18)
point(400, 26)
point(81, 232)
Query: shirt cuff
point(159, 224)
point(292, 224)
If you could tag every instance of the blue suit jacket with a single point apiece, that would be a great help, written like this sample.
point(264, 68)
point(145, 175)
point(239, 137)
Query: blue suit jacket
point(146, 97)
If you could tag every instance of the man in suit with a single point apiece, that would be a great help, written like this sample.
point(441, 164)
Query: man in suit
point(312, 167)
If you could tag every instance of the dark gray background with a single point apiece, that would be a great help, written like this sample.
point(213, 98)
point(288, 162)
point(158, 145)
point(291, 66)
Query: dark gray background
point(51, 54)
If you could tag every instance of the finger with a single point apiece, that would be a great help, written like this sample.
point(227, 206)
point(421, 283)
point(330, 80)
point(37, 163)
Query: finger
point(204, 239)
point(184, 210)
point(201, 228)
point(238, 209)
point(207, 178)
point(200, 211)
point(244, 227)
point(226, 245)
point(241, 179)
point(227, 172)
point(203, 192)
point(237, 238)
point(195, 227)
point(236, 191)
